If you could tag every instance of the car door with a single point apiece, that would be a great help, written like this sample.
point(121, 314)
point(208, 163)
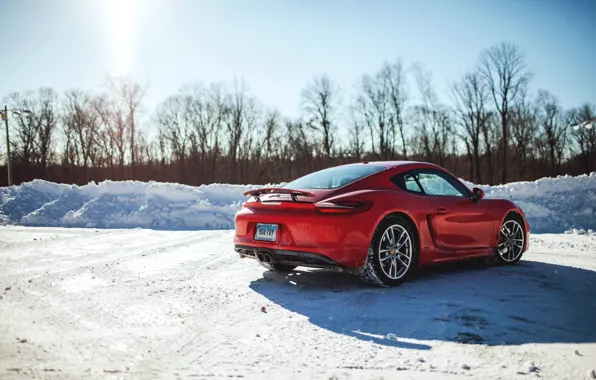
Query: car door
point(458, 223)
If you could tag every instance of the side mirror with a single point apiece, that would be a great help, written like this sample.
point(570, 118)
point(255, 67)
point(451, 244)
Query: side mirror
point(477, 194)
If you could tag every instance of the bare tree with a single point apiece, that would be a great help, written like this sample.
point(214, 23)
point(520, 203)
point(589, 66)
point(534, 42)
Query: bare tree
point(48, 121)
point(380, 106)
point(174, 120)
point(394, 78)
point(471, 99)
point(356, 133)
point(218, 133)
point(523, 129)
point(32, 143)
point(203, 110)
point(320, 100)
point(504, 69)
point(126, 99)
point(113, 136)
point(23, 132)
point(272, 139)
point(81, 124)
point(431, 120)
point(242, 116)
point(374, 109)
point(584, 138)
point(271, 148)
point(549, 117)
point(212, 111)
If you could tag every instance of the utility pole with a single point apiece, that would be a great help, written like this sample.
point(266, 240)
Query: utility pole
point(8, 164)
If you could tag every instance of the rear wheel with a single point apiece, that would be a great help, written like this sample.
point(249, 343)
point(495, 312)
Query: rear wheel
point(393, 254)
point(512, 241)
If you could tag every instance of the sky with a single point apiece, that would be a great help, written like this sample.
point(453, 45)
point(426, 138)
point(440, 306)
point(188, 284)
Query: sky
point(278, 46)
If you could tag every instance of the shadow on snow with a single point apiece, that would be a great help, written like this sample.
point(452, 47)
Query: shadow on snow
point(469, 303)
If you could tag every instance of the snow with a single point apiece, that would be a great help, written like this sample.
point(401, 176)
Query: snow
point(563, 203)
point(145, 283)
point(126, 204)
point(139, 303)
point(552, 205)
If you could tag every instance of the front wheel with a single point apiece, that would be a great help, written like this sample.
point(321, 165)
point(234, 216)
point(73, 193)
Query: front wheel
point(393, 254)
point(512, 241)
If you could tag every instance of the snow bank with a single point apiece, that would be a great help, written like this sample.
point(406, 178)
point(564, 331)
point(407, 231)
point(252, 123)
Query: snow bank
point(552, 205)
point(127, 204)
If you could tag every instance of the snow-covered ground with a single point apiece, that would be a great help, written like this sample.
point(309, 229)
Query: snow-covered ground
point(152, 288)
point(145, 304)
point(551, 205)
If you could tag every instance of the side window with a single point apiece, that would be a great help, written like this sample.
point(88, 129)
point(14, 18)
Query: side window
point(436, 183)
point(406, 181)
point(411, 184)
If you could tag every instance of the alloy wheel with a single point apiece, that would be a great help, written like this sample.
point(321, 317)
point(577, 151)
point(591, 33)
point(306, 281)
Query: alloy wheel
point(511, 243)
point(395, 252)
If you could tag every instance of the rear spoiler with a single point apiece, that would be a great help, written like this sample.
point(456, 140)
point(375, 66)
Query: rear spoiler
point(277, 190)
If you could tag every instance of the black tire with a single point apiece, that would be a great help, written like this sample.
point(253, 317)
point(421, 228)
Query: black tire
point(498, 257)
point(373, 272)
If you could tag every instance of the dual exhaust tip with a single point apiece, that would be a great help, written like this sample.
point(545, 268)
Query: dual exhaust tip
point(264, 257)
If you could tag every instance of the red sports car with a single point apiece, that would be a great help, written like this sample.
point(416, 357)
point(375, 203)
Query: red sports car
point(379, 220)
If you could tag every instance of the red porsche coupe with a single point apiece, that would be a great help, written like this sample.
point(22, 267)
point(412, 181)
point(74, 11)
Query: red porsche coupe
point(379, 220)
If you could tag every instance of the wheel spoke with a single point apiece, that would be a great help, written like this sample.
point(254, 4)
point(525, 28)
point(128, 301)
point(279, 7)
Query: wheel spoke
point(386, 237)
point(401, 237)
point(402, 244)
point(402, 262)
point(503, 230)
point(507, 232)
point(404, 255)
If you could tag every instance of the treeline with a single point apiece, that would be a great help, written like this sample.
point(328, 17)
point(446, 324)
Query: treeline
point(494, 129)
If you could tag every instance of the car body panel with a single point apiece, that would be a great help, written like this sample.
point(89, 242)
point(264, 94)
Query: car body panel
point(454, 218)
point(449, 228)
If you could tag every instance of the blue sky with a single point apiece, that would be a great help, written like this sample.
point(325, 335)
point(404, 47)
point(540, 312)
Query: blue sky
point(277, 46)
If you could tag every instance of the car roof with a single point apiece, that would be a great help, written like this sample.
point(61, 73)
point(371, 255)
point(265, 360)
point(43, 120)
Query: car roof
point(402, 164)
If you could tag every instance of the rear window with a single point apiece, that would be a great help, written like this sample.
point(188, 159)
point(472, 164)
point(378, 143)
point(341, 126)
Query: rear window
point(333, 178)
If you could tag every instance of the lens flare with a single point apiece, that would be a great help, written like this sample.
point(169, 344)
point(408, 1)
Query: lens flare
point(121, 22)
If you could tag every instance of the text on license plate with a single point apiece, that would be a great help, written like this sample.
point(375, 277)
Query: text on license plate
point(266, 232)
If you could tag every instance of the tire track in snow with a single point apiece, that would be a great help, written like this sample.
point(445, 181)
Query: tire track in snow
point(64, 317)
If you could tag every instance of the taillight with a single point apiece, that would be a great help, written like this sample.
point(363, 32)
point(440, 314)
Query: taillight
point(343, 206)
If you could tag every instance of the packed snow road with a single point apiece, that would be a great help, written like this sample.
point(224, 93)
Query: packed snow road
point(144, 304)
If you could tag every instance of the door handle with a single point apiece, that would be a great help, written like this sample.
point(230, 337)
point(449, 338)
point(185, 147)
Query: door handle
point(441, 210)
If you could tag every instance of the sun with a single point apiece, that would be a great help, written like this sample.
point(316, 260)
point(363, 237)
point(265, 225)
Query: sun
point(120, 16)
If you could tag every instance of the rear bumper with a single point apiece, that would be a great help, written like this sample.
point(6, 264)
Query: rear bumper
point(306, 236)
point(281, 256)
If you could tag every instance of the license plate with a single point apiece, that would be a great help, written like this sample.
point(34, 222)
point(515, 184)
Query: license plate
point(266, 232)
